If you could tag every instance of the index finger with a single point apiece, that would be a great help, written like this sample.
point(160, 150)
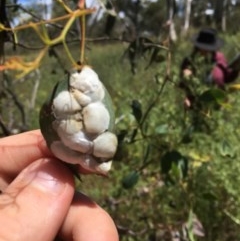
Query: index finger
point(18, 151)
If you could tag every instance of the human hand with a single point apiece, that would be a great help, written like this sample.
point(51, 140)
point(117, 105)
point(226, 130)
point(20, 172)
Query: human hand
point(187, 103)
point(38, 200)
point(187, 73)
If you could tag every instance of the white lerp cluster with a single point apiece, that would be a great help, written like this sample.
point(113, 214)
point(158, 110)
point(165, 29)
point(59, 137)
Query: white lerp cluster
point(82, 121)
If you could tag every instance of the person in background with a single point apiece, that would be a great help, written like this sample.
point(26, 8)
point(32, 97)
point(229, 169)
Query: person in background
point(206, 64)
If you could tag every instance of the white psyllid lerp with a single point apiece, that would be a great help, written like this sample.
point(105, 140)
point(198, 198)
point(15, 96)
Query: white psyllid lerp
point(81, 120)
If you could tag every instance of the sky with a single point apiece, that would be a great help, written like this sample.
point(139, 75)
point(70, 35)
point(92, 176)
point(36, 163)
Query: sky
point(29, 2)
point(47, 13)
point(88, 2)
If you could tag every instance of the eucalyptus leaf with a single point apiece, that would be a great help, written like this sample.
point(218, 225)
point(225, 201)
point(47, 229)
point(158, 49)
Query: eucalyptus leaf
point(130, 180)
point(189, 226)
point(162, 129)
point(137, 110)
point(213, 96)
point(175, 162)
point(226, 149)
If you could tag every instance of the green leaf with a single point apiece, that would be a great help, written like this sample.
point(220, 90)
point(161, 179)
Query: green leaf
point(162, 129)
point(175, 162)
point(226, 150)
point(194, 227)
point(167, 159)
point(130, 180)
point(146, 154)
point(158, 78)
point(187, 134)
point(189, 226)
point(176, 172)
point(213, 96)
point(137, 110)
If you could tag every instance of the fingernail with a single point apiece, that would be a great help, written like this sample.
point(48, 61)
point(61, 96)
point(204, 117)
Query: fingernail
point(46, 182)
point(44, 176)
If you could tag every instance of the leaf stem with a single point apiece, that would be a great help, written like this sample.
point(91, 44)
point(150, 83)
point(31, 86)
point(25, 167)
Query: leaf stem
point(81, 6)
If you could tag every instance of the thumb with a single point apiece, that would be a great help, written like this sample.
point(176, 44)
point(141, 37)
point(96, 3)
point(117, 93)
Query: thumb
point(35, 204)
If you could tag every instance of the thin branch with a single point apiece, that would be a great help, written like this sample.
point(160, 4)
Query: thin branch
point(18, 104)
point(81, 6)
point(74, 14)
point(35, 89)
point(5, 130)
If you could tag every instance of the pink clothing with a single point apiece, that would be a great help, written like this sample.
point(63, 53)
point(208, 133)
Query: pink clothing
point(218, 73)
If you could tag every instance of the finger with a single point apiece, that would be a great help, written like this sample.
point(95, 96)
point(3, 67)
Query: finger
point(34, 205)
point(86, 221)
point(20, 150)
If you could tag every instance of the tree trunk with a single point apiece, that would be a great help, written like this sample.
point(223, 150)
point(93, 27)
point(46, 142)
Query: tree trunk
point(187, 16)
point(224, 16)
point(220, 14)
point(171, 5)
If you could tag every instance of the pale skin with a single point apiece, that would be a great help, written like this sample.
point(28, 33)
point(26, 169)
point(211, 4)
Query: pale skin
point(39, 201)
point(187, 73)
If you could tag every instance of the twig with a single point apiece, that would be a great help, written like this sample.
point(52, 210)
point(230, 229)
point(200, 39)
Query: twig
point(5, 130)
point(18, 104)
point(35, 89)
